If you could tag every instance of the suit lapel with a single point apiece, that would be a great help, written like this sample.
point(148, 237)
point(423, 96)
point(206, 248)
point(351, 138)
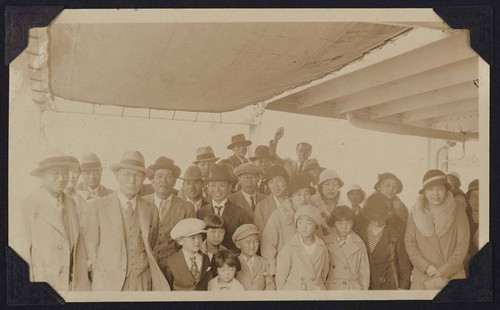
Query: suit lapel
point(144, 218)
point(350, 249)
point(204, 266)
point(257, 266)
point(50, 215)
point(72, 218)
point(316, 254)
point(115, 216)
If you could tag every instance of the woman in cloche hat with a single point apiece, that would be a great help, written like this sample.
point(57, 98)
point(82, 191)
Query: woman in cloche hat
point(437, 235)
point(390, 186)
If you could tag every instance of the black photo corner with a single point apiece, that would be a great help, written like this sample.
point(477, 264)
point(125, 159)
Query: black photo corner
point(479, 287)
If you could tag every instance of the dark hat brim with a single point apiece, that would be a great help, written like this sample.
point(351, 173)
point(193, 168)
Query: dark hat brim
point(203, 160)
point(252, 158)
point(392, 176)
point(434, 183)
point(174, 168)
point(247, 142)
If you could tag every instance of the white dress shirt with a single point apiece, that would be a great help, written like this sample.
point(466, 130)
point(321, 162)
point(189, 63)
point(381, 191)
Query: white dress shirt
point(187, 258)
point(216, 204)
point(248, 198)
point(124, 200)
point(157, 201)
point(197, 204)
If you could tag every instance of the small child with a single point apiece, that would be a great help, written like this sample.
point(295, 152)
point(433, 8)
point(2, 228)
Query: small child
point(303, 262)
point(349, 265)
point(188, 269)
point(255, 272)
point(227, 264)
point(214, 225)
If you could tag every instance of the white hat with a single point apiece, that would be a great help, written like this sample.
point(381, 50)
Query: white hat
point(356, 187)
point(329, 174)
point(188, 227)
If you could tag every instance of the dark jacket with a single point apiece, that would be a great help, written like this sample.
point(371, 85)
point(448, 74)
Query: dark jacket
point(233, 215)
point(179, 275)
point(390, 267)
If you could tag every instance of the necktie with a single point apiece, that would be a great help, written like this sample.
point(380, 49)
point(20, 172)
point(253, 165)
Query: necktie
point(194, 269)
point(129, 211)
point(299, 171)
point(252, 199)
point(219, 209)
point(163, 209)
point(250, 265)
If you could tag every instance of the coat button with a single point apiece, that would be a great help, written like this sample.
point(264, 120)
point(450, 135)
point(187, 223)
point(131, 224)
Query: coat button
point(59, 247)
point(333, 266)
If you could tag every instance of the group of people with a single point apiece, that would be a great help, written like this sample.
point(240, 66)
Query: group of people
point(257, 223)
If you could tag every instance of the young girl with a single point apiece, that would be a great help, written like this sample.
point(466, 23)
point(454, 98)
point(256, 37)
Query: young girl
point(227, 264)
point(214, 225)
point(349, 265)
point(303, 262)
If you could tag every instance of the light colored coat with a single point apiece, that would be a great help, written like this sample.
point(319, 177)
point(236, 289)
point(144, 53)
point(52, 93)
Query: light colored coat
point(257, 279)
point(263, 212)
point(296, 270)
point(349, 267)
point(239, 200)
point(46, 245)
point(276, 234)
point(446, 253)
point(107, 238)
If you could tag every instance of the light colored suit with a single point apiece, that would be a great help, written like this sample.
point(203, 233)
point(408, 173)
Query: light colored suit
point(349, 267)
point(239, 200)
point(48, 246)
point(296, 270)
point(107, 238)
point(263, 212)
point(257, 279)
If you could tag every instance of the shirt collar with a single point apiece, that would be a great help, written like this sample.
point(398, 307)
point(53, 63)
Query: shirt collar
point(157, 200)
point(124, 200)
point(187, 258)
point(223, 203)
point(248, 196)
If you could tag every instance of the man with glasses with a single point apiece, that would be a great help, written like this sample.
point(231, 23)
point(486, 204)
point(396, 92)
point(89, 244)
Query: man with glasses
point(53, 245)
point(124, 232)
point(248, 197)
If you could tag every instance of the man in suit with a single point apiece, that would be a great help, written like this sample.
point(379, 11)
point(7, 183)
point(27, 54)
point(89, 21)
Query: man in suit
point(124, 231)
point(171, 208)
point(239, 145)
point(52, 245)
point(264, 160)
point(91, 172)
point(193, 187)
point(188, 269)
point(219, 186)
point(248, 176)
point(293, 167)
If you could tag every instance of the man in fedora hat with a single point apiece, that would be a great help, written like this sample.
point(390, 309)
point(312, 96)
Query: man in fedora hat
point(124, 232)
point(303, 151)
point(263, 159)
point(239, 145)
point(171, 208)
point(205, 159)
point(91, 172)
point(192, 187)
point(247, 197)
point(52, 245)
point(219, 187)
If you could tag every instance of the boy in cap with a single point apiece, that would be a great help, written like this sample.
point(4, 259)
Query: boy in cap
point(219, 186)
point(91, 172)
point(239, 145)
point(255, 274)
point(247, 197)
point(171, 209)
point(53, 245)
point(188, 269)
point(349, 265)
point(303, 263)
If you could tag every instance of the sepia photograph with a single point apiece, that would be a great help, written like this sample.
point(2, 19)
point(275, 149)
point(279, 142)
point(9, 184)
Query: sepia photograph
point(286, 154)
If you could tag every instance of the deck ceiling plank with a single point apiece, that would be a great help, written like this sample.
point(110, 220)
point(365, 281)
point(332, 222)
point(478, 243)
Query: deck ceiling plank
point(441, 110)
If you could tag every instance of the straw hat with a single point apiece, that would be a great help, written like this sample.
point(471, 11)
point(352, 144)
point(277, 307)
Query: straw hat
point(90, 162)
point(132, 160)
point(205, 153)
point(55, 158)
